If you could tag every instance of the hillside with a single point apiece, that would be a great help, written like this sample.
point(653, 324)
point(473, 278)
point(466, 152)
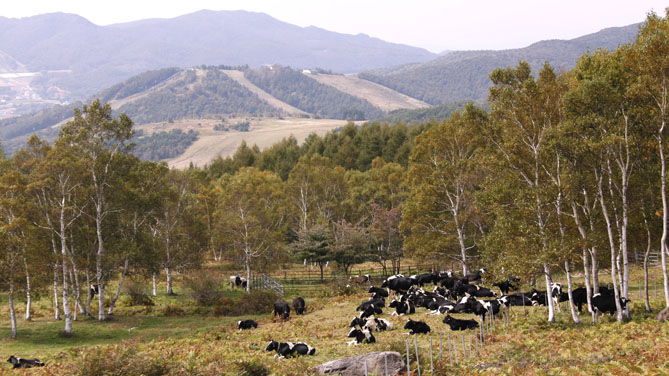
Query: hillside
point(463, 75)
point(100, 56)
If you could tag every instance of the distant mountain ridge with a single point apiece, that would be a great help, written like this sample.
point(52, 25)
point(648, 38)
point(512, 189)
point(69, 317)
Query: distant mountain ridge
point(100, 56)
point(463, 75)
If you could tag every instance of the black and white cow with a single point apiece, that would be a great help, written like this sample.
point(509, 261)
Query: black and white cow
point(24, 363)
point(476, 276)
point(469, 304)
point(360, 336)
point(378, 325)
point(518, 299)
point(246, 324)
point(580, 296)
point(288, 349)
point(359, 279)
point(607, 303)
point(370, 311)
point(93, 290)
point(505, 286)
point(378, 291)
point(457, 324)
point(282, 309)
point(417, 327)
point(377, 304)
point(398, 284)
point(298, 305)
point(402, 308)
point(237, 281)
point(423, 279)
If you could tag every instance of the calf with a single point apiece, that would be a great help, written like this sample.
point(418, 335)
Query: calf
point(246, 324)
point(24, 363)
point(417, 327)
point(607, 303)
point(298, 305)
point(360, 336)
point(378, 291)
point(457, 324)
point(282, 309)
point(402, 308)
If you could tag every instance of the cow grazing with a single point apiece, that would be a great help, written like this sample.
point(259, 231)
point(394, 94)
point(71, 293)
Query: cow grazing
point(378, 291)
point(607, 303)
point(360, 336)
point(457, 324)
point(298, 305)
point(427, 278)
point(359, 279)
point(398, 284)
point(282, 309)
point(246, 324)
point(518, 299)
point(237, 281)
point(580, 296)
point(417, 327)
point(402, 308)
point(24, 363)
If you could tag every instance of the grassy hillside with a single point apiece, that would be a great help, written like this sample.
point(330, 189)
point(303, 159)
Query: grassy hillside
point(154, 340)
point(463, 75)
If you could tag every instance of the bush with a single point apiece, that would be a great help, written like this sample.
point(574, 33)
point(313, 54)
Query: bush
point(173, 310)
point(205, 288)
point(257, 302)
point(118, 360)
point(251, 368)
point(137, 294)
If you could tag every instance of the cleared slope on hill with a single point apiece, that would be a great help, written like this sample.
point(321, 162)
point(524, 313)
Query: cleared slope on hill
point(262, 94)
point(380, 96)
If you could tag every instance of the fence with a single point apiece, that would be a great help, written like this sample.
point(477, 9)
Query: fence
point(653, 258)
point(265, 282)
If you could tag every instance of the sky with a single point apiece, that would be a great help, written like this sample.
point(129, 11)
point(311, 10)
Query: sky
point(435, 25)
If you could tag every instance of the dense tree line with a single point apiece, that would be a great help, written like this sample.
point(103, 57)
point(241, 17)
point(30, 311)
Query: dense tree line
point(309, 95)
point(565, 172)
point(163, 145)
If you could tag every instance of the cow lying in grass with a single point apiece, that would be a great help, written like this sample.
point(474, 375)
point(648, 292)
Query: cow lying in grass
point(371, 323)
point(402, 308)
point(246, 324)
point(360, 336)
point(24, 363)
point(288, 349)
point(457, 324)
point(417, 327)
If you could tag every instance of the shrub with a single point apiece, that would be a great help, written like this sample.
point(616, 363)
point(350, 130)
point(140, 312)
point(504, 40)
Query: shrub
point(137, 294)
point(173, 310)
point(257, 302)
point(118, 360)
point(251, 367)
point(205, 288)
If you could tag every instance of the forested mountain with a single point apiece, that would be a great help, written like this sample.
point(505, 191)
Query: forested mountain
point(463, 75)
point(421, 115)
point(99, 56)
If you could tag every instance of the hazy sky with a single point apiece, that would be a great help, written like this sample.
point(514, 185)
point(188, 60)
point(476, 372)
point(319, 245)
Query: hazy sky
point(436, 25)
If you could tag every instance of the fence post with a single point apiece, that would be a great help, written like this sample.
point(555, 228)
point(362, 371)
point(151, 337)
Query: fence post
point(455, 347)
point(431, 361)
point(464, 349)
point(408, 360)
point(415, 343)
point(470, 345)
point(440, 344)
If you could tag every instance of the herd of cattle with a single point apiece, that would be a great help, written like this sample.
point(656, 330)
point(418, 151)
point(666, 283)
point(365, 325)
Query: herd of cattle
point(450, 294)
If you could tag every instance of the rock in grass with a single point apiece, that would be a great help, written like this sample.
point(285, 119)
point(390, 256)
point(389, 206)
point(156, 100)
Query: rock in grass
point(355, 365)
point(663, 315)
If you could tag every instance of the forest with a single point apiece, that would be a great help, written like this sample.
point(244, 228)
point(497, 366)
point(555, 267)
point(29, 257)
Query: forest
point(565, 173)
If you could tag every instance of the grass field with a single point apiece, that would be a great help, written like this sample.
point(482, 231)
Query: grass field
point(141, 342)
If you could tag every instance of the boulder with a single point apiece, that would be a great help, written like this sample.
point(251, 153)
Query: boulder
point(663, 315)
point(355, 365)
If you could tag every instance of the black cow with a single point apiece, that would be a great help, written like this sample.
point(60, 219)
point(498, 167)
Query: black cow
point(469, 304)
point(402, 308)
point(377, 304)
point(282, 309)
point(298, 305)
point(24, 363)
point(379, 291)
point(417, 327)
point(360, 336)
point(246, 324)
point(475, 277)
point(607, 303)
point(580, 296)
point(508, 285)
point(427, 278)
point(457, 324)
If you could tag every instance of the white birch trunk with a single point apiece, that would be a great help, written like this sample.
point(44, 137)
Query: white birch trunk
point(572, 309)
point(154, 291)
point(28, 297)
point(12, 313)
point(549, 294)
